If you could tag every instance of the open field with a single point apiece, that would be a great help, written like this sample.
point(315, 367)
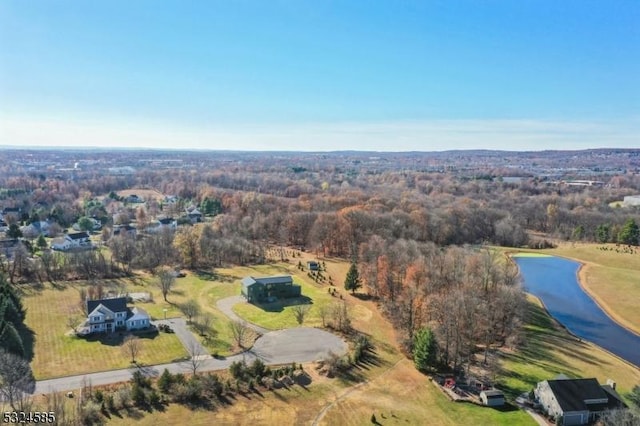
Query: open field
point(57, 354)
point(145, 194)
point(549, 350)
point(611, 278)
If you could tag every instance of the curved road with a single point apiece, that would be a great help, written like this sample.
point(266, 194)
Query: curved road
point(301, 344)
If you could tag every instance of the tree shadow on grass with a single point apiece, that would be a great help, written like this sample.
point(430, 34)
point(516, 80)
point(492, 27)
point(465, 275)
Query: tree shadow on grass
point(28, 337)
point(215, 276)
point(116, 339)
point(279, 305)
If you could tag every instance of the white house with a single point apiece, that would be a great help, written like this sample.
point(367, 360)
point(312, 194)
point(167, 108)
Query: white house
point(109, 315)
point(71, 241)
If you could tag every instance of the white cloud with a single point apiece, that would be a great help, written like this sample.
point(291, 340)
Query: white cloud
point(427, 135)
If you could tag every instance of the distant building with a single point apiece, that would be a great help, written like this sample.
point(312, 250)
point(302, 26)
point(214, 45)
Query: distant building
point(75, 240)
point(631, 201)
point(313, 265)
point(269, 289)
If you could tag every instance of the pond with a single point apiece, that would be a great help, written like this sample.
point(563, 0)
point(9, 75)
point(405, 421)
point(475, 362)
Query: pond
point(554, 280)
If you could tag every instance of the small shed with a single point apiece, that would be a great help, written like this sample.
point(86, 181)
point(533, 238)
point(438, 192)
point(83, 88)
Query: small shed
point(313, 265)
point(492, 398)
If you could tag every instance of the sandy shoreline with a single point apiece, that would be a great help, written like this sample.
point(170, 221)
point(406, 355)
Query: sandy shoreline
point(583, 283)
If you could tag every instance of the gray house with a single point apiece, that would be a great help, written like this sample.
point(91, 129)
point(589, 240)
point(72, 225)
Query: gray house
point(576, 401)
point(269, 289)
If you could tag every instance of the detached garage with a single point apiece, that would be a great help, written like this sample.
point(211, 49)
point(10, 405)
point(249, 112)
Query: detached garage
point(492, 398)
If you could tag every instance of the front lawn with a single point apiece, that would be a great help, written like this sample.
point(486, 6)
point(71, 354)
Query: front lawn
point(59, 354)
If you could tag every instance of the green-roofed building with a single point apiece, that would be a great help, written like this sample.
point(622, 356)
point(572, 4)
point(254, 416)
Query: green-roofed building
point(269, 289)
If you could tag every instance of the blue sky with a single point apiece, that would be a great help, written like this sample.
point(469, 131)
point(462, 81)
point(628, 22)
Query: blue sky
point(321, 75)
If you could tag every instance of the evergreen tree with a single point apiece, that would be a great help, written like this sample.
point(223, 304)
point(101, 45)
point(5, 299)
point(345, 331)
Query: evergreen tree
point(165, 381)
point(424, 349)
point(7, 291)
point(352, 281)
point(629, 234)
point(42, 243)
point(10, 339)
point(603, 233)
point(14, 232)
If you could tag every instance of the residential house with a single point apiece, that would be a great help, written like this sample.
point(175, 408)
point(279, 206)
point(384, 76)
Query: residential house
point(10, 211)
point(134, 199)
point(8, 247)
point(36, 228)
point(125, 230)
point(74, 240)
point(576, 401)
point(109, 315)
point(161, 224)
point(269, 289)
point(194, 215)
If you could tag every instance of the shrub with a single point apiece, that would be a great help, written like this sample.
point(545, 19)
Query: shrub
point(138, 396)
point(154, 398)
point(122, 397)
point(90, 413)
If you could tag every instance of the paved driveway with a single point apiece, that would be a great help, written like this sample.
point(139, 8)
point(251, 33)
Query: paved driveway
point(226, 306)
point(300, 344)
point(189, 341)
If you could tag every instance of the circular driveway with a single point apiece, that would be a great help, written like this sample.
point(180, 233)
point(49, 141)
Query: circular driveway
point(301, 344)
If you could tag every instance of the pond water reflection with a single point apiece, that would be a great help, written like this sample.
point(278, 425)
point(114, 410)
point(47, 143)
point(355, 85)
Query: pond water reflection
point(554, 280)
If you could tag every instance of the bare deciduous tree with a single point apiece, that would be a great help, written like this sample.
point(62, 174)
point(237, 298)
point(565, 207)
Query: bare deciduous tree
point(239, 331)
point(323, 313)
point(16, 380)
point(166, 280)
point(191, 309)
point(196, 356)
point(300, 312)
point(132, 346)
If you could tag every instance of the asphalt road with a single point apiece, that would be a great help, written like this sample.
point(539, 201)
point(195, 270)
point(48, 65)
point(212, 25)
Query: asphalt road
point(301, 344)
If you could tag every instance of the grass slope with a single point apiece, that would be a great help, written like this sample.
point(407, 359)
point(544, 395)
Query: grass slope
point(549, 350)
point(610, 277)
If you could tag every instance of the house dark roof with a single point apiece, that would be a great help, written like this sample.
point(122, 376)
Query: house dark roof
point(282, 279)
point(116, 304)
point(78, 235)
point(571, 394)
point(615, 400)
point(166, 221)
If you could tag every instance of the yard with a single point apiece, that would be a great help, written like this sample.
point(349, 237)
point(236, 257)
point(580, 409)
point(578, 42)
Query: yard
point(59, 354)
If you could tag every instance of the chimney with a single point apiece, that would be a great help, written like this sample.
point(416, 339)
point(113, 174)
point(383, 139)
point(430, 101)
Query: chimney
point(611, 383)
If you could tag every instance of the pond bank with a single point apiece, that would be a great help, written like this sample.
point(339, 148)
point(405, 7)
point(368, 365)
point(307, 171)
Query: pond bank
point(555, 281)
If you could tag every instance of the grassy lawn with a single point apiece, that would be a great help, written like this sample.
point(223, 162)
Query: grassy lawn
point(57, 354)
point(549, 351)
point(612, 278)
point(405, 396)
point(279, 314)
